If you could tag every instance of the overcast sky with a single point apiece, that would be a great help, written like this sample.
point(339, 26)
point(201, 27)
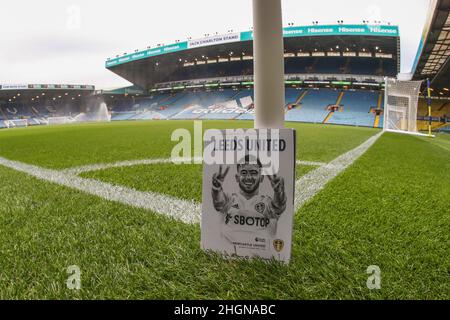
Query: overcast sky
point(63, 41)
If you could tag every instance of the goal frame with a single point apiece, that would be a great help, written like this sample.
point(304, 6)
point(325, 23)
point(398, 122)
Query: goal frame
point(12, 123)
point(389, 109)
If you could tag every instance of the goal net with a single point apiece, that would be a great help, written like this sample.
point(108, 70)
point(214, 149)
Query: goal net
point(16, 123)
point(401, 104)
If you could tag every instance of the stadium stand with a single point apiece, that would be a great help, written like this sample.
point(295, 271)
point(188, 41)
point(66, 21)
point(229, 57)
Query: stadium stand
point(355, 109)
point(324, 105)
point(313, 106)
point(440, 115)
point(334, 79)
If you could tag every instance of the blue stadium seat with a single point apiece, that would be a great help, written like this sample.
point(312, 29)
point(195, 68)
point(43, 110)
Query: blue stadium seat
point(314, 105)
point(356, 109)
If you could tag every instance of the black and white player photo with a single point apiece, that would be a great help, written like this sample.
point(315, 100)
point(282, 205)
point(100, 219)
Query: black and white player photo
point(247, 211)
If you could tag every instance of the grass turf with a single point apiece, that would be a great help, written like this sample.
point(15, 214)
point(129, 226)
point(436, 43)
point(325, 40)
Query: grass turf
point(183, 182)
point(389, 209)
point(76, 145)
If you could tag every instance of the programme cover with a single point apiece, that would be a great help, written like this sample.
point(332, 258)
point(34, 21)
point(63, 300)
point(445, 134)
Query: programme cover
point(248, 198)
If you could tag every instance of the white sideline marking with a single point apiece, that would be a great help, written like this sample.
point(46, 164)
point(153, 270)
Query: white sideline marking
point(132, 163)
point(104, 166)
point(186, 211)
point(311, 163)
point(310, 184)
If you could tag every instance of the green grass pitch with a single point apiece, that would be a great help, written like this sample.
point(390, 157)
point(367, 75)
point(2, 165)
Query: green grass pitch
point(390, 208)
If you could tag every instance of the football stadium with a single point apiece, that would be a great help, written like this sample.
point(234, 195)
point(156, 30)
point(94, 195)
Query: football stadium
point(88, 181)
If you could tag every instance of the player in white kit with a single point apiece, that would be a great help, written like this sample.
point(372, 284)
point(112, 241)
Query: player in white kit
point(249, 218)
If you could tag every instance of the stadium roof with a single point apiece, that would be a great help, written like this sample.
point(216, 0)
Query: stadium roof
point(155, 65)
point(433, 58)
point(11, 93)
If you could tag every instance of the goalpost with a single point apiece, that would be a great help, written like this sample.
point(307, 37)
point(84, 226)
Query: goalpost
point(401, 106)
point(17, 123)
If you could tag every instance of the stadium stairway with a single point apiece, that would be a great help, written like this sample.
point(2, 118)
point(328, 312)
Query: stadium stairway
point(313, 106)
point(376, 123)
point(236, 95)
point(358, 106)
point(444, 105)
point(338, 104)
point(298, 101)
point(35, 112)
point(301, 97)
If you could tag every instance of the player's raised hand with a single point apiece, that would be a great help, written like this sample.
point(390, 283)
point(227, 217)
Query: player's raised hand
point(219, 178)
point(277, 183)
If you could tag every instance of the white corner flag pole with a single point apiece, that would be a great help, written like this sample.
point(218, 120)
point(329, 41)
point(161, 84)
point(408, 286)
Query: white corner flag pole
point(268, 52)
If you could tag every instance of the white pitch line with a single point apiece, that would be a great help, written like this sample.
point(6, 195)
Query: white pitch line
point(313, 182)
point(186, 211)
point(104, 166)
point(132, 163)
point(311, 163)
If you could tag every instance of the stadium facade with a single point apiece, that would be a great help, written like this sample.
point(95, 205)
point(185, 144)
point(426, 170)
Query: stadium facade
point(334, 74)
point(433, 62)
point(41, 104)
